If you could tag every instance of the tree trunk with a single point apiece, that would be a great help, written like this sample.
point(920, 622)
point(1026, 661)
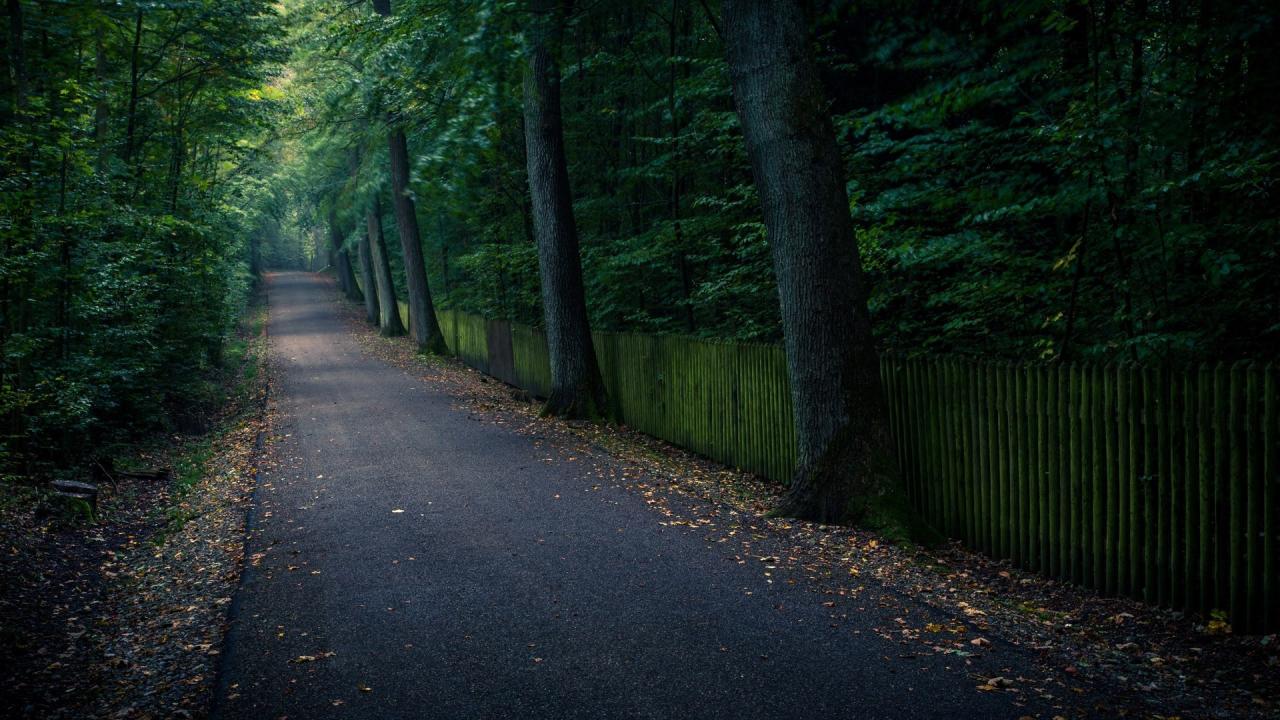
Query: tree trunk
point(847, 470)
point(388, 307)
point(177, 146)
point(131, 115)
point(342, 261)
point(423, 326)
point(12, 315)
point(102, 108)
point(577, 389)
point(367, 281)
point(17, 57)
point(673, 109)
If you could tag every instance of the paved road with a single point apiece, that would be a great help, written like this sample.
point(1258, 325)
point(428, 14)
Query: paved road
point(455, 574)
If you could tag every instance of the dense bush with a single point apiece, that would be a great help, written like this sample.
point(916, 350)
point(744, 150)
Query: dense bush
point(127, 217)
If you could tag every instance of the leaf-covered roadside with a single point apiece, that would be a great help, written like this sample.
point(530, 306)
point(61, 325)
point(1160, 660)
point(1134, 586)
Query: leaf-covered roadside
point(1097, 656)
point(122, 615)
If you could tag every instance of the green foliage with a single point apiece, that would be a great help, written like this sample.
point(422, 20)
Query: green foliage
point(1052, 179)
point(1063, 179)
point(670, 230)
point(129, 214)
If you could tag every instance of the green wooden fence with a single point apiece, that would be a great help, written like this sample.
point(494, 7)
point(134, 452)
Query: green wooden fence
point(1156, 483)
point(727, 401)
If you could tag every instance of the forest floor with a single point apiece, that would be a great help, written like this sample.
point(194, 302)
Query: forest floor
point(121, 614)
point(1141, 661)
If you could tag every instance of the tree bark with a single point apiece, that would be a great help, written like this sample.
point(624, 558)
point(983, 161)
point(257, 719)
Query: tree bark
point(388, 307)
point(577, 389)
point(673, 109)
point(342, 261)
point(131, 115)
point(423, 326)
point(17, 56)
point(12, 314)
point(847, 469)
point(102, 108)
point(367, 281)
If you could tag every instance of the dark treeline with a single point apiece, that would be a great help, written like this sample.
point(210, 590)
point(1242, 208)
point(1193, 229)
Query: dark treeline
point(130, 189)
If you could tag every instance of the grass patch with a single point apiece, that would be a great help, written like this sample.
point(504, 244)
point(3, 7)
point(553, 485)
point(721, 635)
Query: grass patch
point(233, 354)
point(190, 465)
point(189, 468)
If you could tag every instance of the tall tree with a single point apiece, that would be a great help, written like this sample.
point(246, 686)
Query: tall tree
point(342, 260)
point(367, 281)
point(424, 328)
point(577, 389)
point(846, 466)
point(17, 55)
point(388, 307)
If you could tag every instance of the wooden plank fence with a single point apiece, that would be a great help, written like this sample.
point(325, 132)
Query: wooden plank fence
point(1157, 483)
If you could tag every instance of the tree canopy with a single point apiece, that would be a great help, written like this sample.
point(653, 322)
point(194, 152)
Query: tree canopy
point(1054, 179)
point(131, 141)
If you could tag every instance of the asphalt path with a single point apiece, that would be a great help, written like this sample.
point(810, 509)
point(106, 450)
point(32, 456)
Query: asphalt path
point(409, 561)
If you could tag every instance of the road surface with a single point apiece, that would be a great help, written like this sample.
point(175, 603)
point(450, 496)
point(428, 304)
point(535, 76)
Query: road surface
point(412, 562)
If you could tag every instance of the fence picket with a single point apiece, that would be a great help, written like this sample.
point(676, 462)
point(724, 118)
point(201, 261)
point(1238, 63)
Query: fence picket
point(1123, 481)
point(1110, 499)
point(1151, 488)
point(964, 396)
point(1018, 463)
point(1253, 525)
point(1221, 488)
point(1270, 498)
point(1053, 488)
point(1190, 493)
point(1236, 502)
